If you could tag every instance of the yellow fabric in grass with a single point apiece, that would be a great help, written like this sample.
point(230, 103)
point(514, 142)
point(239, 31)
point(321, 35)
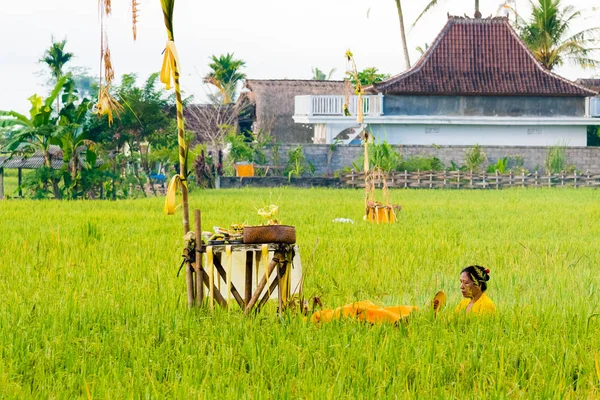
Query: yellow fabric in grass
point(365, 311)
point(484, 305)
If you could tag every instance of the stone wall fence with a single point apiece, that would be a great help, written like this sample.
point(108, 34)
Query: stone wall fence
point(328, 159)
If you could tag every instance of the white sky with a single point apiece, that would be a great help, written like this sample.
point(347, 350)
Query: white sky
point(276, 38)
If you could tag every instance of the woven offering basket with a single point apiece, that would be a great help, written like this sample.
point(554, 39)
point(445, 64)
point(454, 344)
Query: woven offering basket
point(270, 234)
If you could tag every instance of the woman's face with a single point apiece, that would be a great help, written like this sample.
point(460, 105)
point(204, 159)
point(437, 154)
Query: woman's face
point(468, 288)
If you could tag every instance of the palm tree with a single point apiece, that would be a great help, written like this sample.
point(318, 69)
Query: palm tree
point(547, 34)
point(403, 33)
point(55, 57)
point(434, 3)
point(225, 75)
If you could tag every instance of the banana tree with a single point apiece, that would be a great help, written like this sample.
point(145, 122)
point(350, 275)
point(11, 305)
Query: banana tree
point(36, 132)
point(73, 140)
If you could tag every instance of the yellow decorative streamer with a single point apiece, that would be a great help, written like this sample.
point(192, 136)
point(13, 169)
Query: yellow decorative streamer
point(170, 63)
point(211, 275)
point(168, 72)
point(170, 200)
point(265, 261)
point(229, 268)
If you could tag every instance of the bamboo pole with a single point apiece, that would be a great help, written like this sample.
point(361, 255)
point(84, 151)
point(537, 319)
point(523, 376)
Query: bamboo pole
point(211, 277)
point(226, 278)
point(170, 69)
point(248, 288)
point(218, 296)
point(263, 282)
point(198, 269)
point(279, 290)
point(275, 284)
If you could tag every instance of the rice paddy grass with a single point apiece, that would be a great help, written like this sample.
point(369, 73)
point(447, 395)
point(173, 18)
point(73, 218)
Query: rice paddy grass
point(90, 304)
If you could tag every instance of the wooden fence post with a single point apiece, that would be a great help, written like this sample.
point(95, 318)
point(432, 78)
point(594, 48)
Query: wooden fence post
point(1, 183)
point(20, 180)
point(536, 178)
point(588, 183)
point(458, 179)
point(523, 178)
point(430, 179)
point(405, 179)
point(198, 267)
point(575, 180)
point(445, 179)
point(497, 183)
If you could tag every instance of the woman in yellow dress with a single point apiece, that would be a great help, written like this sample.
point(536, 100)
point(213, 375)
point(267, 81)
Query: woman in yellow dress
point(473, 284)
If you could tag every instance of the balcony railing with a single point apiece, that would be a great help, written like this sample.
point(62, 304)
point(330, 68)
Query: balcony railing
point(333, 105)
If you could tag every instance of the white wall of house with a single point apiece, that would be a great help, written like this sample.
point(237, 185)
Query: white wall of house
point(468, 135)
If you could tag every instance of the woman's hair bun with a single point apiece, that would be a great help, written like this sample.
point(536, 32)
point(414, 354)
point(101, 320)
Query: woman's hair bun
point(484, 273)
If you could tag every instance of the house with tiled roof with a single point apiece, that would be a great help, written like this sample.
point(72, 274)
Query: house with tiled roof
point(477, 83)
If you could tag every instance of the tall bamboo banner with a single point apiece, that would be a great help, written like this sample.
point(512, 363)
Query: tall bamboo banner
point(170, 69)
point(358, 90)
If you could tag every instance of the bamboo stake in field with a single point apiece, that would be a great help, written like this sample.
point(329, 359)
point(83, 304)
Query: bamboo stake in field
point(359, 91)
point(170, 69)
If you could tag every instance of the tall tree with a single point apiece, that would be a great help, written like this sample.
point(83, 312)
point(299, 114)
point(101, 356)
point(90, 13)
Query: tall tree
point(548, 35)
point(368, 76)
point(55, 57)
point(225, 75)
point(403, 33)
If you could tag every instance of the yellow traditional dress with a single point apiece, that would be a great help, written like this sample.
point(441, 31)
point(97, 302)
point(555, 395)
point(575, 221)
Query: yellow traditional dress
point(365, 311)
point(484, 305)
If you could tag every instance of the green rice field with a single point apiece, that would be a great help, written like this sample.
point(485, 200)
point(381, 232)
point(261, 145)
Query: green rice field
point(11, 182)
point(91, 307)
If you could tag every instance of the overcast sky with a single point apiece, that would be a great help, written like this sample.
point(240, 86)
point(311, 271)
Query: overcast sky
point(276, 38)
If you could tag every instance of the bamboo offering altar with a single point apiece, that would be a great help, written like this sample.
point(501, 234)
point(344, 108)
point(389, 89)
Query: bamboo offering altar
point(374, 211)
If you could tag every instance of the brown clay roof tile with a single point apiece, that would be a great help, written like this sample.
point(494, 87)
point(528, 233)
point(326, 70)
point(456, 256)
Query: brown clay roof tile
point(480, 57)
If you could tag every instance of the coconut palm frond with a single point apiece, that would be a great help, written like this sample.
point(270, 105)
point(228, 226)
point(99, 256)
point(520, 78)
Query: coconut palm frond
point(429, 6)
point(547, 34)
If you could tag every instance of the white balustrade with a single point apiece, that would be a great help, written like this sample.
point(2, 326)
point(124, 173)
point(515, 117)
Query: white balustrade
point(333, 105)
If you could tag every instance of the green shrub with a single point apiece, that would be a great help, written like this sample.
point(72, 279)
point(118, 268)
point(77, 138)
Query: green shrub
point(421, 163)
point(382, 155)
point(556, 159)
point(297, 164)
point(474, 158)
